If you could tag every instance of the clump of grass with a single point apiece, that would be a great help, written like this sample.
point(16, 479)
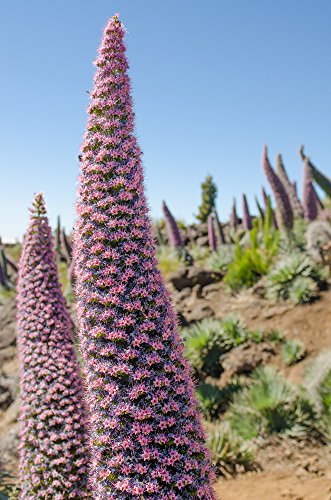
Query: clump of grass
point(270, 404)
point(292, 351)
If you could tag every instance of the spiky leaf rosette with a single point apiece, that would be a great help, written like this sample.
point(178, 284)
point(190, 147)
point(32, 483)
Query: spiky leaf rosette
point(284, 209)
point(308, 194)
point(53, 448)
point(173, 232)
point(290, 189)
point(147, 439)
point(247, 218)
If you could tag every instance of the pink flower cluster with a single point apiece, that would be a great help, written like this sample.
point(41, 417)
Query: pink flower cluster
point(53, 445)
point(146, 436)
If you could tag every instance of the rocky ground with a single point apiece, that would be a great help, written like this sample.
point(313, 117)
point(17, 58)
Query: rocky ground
point(285, 469)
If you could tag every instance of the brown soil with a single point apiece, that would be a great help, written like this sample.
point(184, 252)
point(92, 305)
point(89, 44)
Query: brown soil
point(275, 486)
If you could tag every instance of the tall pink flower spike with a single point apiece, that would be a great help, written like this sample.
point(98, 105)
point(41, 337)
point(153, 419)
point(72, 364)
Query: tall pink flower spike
point(53, 445)
point(147, 438)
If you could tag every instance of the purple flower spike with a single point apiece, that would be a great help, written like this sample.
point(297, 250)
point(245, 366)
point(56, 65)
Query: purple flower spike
point(289, 187)
point(53, 445)
point(233, 216)
point(173, 232)
point(247, 218)
point(211, 233)
point(308, 194)
point(284, 209)
point(147, 438)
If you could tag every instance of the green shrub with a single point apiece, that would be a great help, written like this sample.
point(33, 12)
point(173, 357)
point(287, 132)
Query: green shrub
point(199, 254)
point(220, 260)
point(270, 404)
point(228, 452)
point(292, 351)
point(253, 262)
point(283, 282)
point(169, 259)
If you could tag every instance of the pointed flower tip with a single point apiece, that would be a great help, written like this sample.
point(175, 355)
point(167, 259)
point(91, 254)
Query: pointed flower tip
point(38, 206)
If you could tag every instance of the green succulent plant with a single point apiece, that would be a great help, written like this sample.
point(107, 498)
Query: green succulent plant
point(228, 451)
point(292, 351)
point(297, 277)
point(270, 404)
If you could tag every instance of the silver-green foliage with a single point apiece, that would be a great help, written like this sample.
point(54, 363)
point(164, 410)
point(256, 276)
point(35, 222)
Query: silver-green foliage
point(292, 351)
point(228, 451)
point(214, 400)
point(270, 404)
point(318, 234)
point(222, 258)
point(208, 339)
point(298, 277)
point(317, 382)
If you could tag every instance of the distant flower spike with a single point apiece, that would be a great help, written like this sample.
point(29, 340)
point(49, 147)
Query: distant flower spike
point(147, 439)
point(53, 445)
point(308, 193)
point(284, 209)
point(219, 229)
point(290, 189)
point(173, 232)
point(247, 218)
point(211, 234)
point(233, 217)
point(322, 180)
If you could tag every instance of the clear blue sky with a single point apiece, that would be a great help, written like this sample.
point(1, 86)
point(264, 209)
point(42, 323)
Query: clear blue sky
point(212, 81)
